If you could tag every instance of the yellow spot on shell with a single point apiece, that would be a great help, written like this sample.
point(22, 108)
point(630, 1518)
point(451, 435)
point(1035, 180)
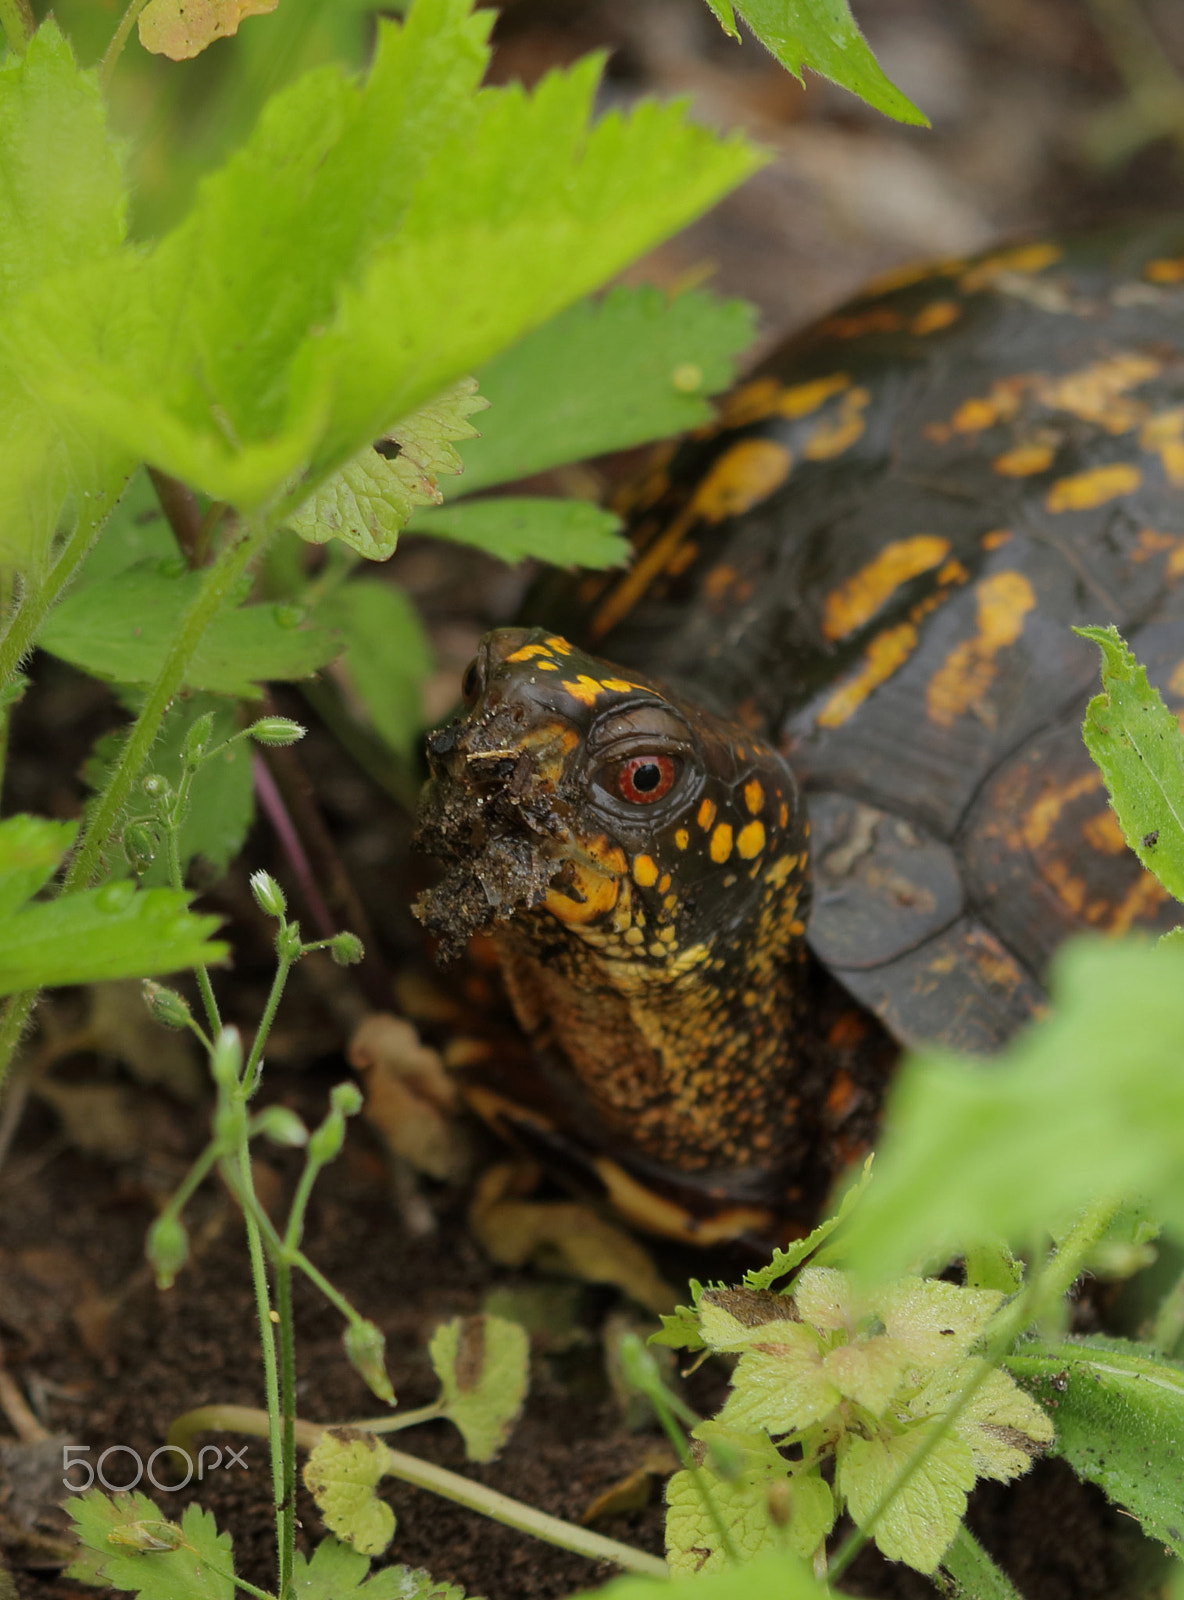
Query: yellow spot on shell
point(936, 315)
point(1024, 460)
point(1023, 258)
point(1102, 832)
point(706, 814)
point(559, 645)
point(803, 398)
point(742, 477)
point(858, 599)
point(914, 272)
point(783, 814)
point(961, 683)
point(886, 653)
point(751, 402)
point(645, 871)
point(1164, 433)
point(1176, 681)
point(750, 841)
point(663, 883)
point(1097, 393)
point(1165, 269)
point(547, 666)
point(721, 843)
point(996, 537)
point(839, 433)
point(619, 685)
point(1085, 490)
point(681, 838)
point(528, 652)
point(754, 795)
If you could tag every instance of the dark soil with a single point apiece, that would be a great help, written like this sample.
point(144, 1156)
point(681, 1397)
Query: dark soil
point(1016, 89)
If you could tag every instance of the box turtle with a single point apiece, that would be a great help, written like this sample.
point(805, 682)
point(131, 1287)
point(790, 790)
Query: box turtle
point(830, 795)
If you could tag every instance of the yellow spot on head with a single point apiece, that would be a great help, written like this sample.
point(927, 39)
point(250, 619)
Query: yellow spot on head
point(1085, 490)
point(750, 841)
point(858, 599)
point(559, 645)
point(645, 871)
point(1024, 460)
point(706, 814)
point(634, 936)
point(742, 477)
point(938, 314)
point(586, 690)
point(668, 936)
point(528, 652)
point(754, 795)
point(681, 838)
point(964, 677)
point(547, 666)
point(657, 950)
point(721, 843)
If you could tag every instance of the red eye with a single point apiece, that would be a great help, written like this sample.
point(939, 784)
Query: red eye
point(643, 779)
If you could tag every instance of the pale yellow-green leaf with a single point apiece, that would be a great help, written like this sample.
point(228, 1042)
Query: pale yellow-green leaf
point(868, 1371)
point(367, 502)
point(180, 29)
point(733, 1319)
point(920, 1520)
point(936, 1322)
point(780, 1386)
point(1004, 1427)
point(692, 1541)
point(826, 1299)
point(483, 1364)
point(342, 1473)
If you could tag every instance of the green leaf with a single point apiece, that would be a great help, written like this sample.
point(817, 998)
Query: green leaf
point(1089, 1102)
point(112, 932)
point(338, 1572)
point(680, 1328)
point(368, 501)
point(791, 1257)
point(120, 629)
point(483, 1364)
point(387, 656)
point(822, 35)
point(1118, 1410)
point(603, 375)
point(30, 849)
point(1137, 743)
point(742, 1501)
point(122, 1538)
point(342, 1472)
point(564, 533)
point(922, 1517)
point(975, 1575)
point(769, 1577)
point(1003, 1427)
point(135, 531)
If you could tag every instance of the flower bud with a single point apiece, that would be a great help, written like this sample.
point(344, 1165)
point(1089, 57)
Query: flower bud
point(281, 1126)
point(269, 897)
point(346, 1098)
point(365, 1346)
point(167, 1247)
point(226, 1063)
point(166, 1005)
point(288, 941)
point(276, 731)
point(155, 786)
point(346, 949)
point(197, 738)
point(139, 845)
point(325, 1142)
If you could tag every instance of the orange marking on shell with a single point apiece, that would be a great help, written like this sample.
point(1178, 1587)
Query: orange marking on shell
point(560, 646)
point(645, 871)
point(951, 572)
point(1102, 832)
point(996, 537)
point(664, 884)
point(646, 1209)
point(719, 580)
point(801, 399)
point(751, 402)
point(839, 433)
point(1042, 816)
point(750, 841)
point(961, 683)
point(936, 315)
point(706, 814)
point(721, 843)
point(548, 666)
point(1142, 899)
point(528, 652)
point(1165, 269)
point(783, 814)
point(754, 795)
point(1086, 490)
point(1174, 565)
point(1150, 543)
point(886, 653)
point(620, 685)
point(854, 324)
point(1163, 433)
point(1024, 460)
point(1030, 258)
point(999, 405)
point(914, 272)
point(682, 558)
point(1098, 393)
point(858, 599)
point(681, 838)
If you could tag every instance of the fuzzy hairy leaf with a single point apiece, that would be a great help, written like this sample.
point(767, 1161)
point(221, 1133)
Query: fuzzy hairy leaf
point(368, 501)
point(121, 1539)
point(387, 655)
point(564, 533)
point(181, 29)
point(120, 629)
point(1118, 1410)
point(342, 1472)
point(605, 374)
point(1137, 743)
point(336, 1571)
point(30, 850)
point(918, 1523)
point(742, 1500)
point(821, 35)
point(1087, 1103)
point(483, 1364)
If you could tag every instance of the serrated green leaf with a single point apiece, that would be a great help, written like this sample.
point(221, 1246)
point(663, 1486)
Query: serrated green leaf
point(722, 10)
point(120, 629)
point(200, 1567)
point(336, 1571)
point(935, 1322)
point(680, 1330)
point(483, 1364)
point(605, 374)
point(1087, 1103)
point(822, 35)
point(1137, 743)
point(770, 1577)
point(30, 849)
point(1118, 1410)
point(135, 531)
point(692, 1540)
point(342, 1472)
point(387, 655)
point(786, 1260)
point(564, 533)
point(922, 1517)
point(368, 501)
point(782, 1386)
point(112, 932)
point(1003, 1427)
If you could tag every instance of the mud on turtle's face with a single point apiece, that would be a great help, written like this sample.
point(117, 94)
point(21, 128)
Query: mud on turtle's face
point(578, 790)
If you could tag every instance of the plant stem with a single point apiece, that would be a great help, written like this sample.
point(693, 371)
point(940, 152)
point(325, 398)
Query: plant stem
point(118, 40)
point(1168, 1327)
point(287, 1509)
point(976, 1575)
point(204, 987)
point(251, 1071)
point(16, 16)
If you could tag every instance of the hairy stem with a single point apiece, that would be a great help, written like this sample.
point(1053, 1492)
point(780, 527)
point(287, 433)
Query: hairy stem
point(118, 39)
point(975, 1574)
point(16, 16)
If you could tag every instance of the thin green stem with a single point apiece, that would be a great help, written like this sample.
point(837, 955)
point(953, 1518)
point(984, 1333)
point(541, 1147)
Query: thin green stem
point(188, 1186)
point(118, 39)
point(975, 1574)
point(204, 987)
point(1168, 1327)
point(287, 1510)
point(16, 16)
point(251, 1071)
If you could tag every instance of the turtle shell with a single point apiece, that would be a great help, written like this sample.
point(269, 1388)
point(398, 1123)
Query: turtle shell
point(875, 557)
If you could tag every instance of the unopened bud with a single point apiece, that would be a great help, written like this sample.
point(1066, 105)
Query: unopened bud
point(346, 949)
point(166, 1005)
point(197, 738)
point(269, 897)
point(167, 1248)
point(366, 1348)
point(325, 1142)
point(346, 1098)
point(288, 941)
point(139, 845)
point(281, 1126)
point(155, 786)
point(276, 730)
point(226, 1063)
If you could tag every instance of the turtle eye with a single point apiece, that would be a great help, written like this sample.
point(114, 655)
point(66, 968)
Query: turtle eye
point(470, 684)
point(643, 779)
